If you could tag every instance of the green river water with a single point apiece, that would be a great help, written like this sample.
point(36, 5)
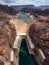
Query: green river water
point(24, 57)
point(23, 16)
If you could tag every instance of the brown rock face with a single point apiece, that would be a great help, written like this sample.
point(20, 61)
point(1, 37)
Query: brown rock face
point(7, 37)
point(39, 33)
point(1, 63)
point(7, 10)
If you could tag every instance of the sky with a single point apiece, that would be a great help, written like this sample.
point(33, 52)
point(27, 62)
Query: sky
point(24, 2)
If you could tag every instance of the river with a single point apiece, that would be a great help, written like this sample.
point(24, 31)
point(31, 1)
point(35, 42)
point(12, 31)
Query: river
point(24, 57)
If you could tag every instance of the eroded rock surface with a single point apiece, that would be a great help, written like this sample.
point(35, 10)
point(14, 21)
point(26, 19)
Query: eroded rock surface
point(39, 33)
point(7, 38)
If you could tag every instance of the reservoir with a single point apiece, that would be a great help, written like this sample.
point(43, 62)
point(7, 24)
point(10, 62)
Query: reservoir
point(24, 57)
point(23, 16)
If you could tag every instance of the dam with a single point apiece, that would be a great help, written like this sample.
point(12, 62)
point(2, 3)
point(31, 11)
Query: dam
point(23, 50)
point(23, 53)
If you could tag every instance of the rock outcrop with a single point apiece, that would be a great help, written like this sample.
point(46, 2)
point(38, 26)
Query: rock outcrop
point(7, 10)
point(39, 34)
point(7, 38)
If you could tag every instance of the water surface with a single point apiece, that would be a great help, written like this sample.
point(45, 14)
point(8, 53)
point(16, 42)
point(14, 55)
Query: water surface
point(24, 57)
point(23, 16)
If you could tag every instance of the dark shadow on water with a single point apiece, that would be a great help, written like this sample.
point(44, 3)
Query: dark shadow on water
point(24, 57)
